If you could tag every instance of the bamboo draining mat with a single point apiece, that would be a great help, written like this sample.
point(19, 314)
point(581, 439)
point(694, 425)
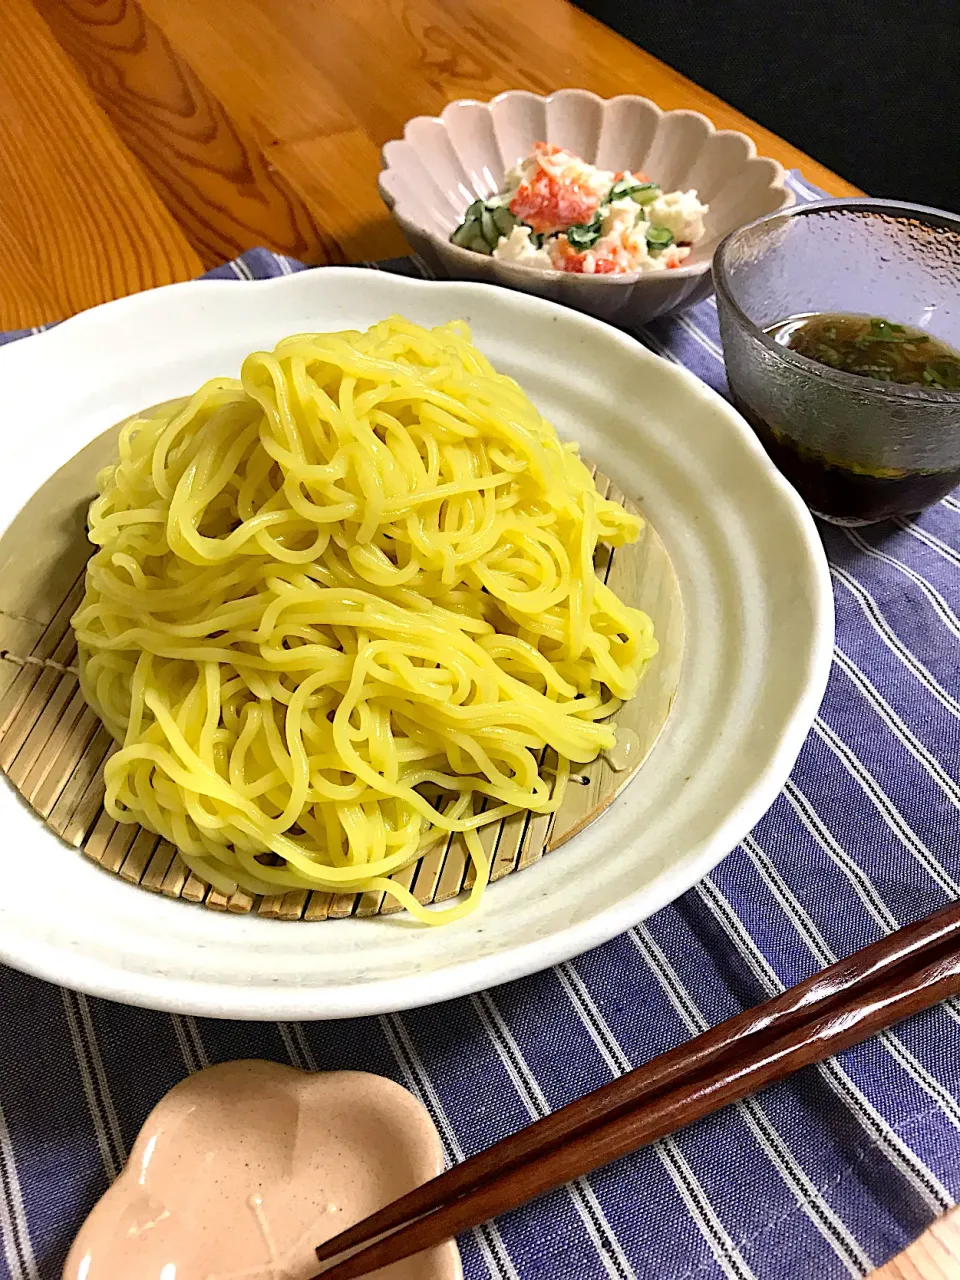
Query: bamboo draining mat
point(52, 746)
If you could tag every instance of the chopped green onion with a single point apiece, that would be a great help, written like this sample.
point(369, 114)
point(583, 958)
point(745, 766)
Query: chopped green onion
point(877, 348)
point(659, 238)
point(866, 338)
point(943, 375)
point(886, 331)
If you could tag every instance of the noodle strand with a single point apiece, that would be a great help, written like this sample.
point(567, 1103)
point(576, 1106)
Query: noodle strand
point(345, 605)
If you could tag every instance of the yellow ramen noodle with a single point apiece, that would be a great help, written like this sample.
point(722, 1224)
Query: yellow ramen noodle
point(342, 606)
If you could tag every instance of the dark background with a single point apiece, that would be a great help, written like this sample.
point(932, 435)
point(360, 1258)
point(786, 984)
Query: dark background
point(871, 90)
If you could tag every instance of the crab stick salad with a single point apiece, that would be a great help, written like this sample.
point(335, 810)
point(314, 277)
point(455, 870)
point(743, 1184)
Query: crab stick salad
point(559, 213)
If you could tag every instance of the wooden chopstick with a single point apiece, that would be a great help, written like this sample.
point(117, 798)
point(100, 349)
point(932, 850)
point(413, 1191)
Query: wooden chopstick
point(905, 992)
point(774, 1016)
point(881, 984)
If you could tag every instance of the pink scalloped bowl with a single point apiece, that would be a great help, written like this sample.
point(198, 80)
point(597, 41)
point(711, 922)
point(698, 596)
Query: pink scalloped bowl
point(442, 163)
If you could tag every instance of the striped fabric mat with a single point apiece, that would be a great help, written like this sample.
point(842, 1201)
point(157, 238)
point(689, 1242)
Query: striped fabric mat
point(826, 1175)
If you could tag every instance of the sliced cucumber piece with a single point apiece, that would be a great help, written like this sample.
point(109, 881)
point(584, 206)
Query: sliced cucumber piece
point(478, 244)
point(463, 236)
point(482, 227)
point(585, 235)
point(659, 238)
point(504, 219)
point(621, 189)
point(489, 229)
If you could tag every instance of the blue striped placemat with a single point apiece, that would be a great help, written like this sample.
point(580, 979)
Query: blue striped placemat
point(828, 1174)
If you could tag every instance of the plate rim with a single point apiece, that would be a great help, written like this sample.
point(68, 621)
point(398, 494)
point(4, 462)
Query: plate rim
point(215, 998)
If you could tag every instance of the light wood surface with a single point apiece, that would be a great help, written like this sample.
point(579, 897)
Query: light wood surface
point(146, 142)
point(935, 1256)
point(142, 143)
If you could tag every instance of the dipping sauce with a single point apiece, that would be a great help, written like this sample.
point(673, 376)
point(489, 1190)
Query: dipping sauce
point(840, 493)
point(872, 347)
point(868, 347)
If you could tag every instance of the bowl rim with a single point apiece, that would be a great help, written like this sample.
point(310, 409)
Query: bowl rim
point(469, 259)
point(870, 388)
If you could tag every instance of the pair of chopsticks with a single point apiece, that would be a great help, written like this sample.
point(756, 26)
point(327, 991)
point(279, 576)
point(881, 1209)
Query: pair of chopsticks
point(882, 984)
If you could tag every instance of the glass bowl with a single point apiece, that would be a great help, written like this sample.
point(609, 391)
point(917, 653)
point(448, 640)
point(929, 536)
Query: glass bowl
point(857, 450)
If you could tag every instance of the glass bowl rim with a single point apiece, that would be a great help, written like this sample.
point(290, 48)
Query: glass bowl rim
point(868, 387)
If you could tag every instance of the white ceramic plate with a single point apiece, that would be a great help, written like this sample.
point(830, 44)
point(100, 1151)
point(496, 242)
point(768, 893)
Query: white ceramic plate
point(759, 633)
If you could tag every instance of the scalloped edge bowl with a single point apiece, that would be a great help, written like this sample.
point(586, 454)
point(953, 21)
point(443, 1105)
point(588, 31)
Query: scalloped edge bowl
point(444, 162)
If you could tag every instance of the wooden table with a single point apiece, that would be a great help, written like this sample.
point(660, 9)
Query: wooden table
point(144, 142)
